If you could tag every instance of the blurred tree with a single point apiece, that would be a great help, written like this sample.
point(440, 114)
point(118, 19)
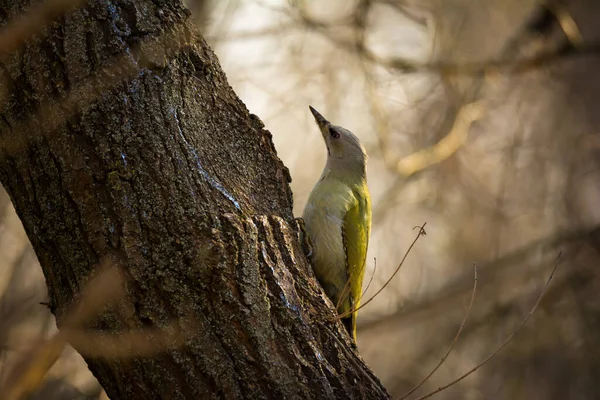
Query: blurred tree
point(121, 139)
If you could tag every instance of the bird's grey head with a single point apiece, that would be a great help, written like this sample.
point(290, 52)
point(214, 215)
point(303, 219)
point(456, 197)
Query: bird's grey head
point(343, 147)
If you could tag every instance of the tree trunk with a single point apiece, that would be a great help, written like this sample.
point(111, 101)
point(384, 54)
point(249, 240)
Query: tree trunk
point(121, 139)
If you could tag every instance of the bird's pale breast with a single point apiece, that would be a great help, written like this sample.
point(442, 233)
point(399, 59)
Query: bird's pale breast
point(323, 217)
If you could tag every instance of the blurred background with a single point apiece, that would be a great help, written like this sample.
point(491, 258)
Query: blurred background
point(479, 117)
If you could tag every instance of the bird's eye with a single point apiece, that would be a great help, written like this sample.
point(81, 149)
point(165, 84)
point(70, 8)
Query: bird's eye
point(333, 133)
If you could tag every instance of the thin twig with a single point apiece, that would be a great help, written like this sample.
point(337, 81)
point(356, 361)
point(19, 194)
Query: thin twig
point(460, 329)
point(343, 295)
point(370, 280)
point(347, 287)
point(488, 358)
point(421, 233)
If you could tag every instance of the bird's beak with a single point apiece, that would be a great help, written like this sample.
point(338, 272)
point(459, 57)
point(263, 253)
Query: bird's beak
point(321, 121)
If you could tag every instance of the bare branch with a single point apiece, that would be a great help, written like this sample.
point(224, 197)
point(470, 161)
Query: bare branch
point(460, 329)
point(30, 370)
point(512, 335)
point(139, 343)
point(449, 145)
point(568, 25)
point(515, 65)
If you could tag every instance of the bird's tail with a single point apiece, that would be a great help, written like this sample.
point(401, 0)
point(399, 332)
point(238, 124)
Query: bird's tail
point(349, 321)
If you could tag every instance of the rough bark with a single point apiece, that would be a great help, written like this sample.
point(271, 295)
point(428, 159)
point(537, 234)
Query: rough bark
point(156, 164)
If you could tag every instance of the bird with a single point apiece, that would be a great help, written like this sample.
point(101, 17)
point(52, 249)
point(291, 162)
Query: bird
point(337, 221)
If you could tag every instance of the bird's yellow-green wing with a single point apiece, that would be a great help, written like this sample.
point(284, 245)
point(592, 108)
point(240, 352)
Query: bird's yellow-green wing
point(356, 230)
